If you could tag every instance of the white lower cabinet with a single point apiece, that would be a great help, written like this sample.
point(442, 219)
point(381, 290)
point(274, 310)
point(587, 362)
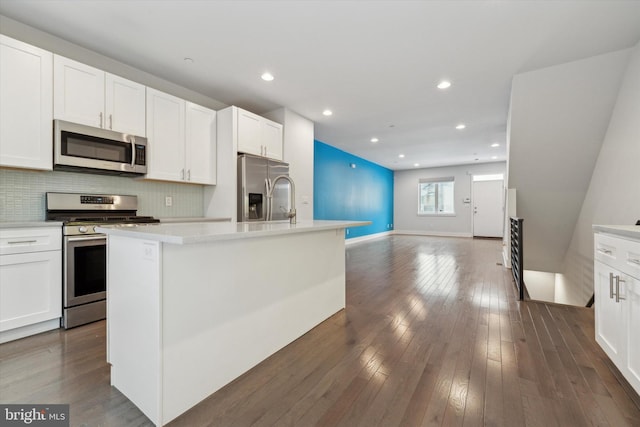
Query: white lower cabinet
point(617, 303)
point(30, 281)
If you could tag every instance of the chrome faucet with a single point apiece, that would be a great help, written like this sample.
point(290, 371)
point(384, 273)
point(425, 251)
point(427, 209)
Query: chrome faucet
point(292, 212)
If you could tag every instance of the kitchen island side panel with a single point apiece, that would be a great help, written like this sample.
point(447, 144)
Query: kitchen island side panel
point(134, 321)
point(229, 305)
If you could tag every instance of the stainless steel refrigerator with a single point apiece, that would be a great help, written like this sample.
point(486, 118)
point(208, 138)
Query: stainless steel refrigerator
point(255, 176)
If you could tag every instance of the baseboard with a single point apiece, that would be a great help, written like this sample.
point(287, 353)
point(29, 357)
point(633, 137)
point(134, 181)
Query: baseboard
point(433, 233)
point(506, 261)
point(25, 331)
point(368, 237)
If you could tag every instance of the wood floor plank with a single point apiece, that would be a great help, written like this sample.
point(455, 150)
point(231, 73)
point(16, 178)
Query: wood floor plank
point(432, 334)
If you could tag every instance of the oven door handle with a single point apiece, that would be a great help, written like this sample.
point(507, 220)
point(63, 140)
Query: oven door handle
point(85, 238)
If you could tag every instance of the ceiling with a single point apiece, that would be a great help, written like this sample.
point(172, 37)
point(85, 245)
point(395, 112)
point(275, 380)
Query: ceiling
point(375, 64)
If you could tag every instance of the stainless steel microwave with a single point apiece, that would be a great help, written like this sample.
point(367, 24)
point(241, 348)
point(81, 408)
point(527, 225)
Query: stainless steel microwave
point(85, 148)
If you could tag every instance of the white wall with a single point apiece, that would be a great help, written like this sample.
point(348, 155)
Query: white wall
point(405, 198)
point(298, 152)
point(558, 119)
point(613, 196)
point(540, 285)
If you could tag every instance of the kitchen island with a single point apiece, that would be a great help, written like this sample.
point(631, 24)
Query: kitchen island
point(192, 306)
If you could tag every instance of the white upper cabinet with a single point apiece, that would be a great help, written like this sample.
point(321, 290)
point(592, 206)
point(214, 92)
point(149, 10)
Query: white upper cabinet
point(272, 139)
point(259, 136)
point(200, 149)
point(165, 135)
point(87, 95)
point(125, 105)
point(182, 140)
point(26, 92)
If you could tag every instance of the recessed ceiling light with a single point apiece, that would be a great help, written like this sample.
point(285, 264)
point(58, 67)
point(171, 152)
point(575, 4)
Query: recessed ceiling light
point(444, 84)
point(267, 77)
point(374, 140)
point(415, 165)
point(327, 112)
point(495, 144)
point(461, 126)
point(401, 156)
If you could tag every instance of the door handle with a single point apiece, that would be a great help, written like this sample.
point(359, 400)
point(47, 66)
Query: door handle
point(618, 280)
point(611, 285)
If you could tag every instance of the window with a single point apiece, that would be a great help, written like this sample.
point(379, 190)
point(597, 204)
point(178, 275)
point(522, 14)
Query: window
point(435, 196)
point(492, 177)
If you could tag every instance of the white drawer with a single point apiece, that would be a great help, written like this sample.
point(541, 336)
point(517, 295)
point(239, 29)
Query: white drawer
point(24, 240)
point(607, 249)
point(630, 257)
point(618, 252)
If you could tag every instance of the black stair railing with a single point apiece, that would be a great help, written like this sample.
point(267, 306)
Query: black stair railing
point(517, 259)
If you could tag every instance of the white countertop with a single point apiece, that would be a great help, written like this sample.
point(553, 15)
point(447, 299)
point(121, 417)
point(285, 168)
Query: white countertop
point(193, 219)
point(30, 224)
point(631, 231)
point(203, 232)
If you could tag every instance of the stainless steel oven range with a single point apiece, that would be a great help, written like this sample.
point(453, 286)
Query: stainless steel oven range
point(84, 281)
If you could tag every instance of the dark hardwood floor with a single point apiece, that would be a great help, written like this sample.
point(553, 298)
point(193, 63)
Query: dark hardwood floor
point(432, 336)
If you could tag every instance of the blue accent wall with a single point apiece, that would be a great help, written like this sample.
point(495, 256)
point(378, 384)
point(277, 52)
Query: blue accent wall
point(342, 192)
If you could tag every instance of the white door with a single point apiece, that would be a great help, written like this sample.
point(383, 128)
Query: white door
point(166, 136)
point(200, 143)
point(26, 105)
point(488, 208)
point(125, 106)
point(78, 92)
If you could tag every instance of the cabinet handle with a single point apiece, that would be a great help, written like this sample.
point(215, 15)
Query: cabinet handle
point(111, 121)
point(618, 280)
point(19, 242)
point(611, 285)
point(100, 119)
point(633, 261)
point(182, 174)
point(604, 251)
point(188, 174)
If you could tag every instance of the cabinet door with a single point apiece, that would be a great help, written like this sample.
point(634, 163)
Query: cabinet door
point(125, 109)
point(272, 139)
point(78, 92)
point(26, 99)
point(608, 313)
point(250, 133)
point(166, 136)
point(30, 288)
point(630, 290)
point(200, 144)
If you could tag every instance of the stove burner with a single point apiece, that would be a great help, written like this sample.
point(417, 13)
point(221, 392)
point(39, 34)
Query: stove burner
point(109, 220)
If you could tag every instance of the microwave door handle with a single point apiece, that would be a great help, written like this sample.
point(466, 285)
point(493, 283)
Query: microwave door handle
point(132, 140)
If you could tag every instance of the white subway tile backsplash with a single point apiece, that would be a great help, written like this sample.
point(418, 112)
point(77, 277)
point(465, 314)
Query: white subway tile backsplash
point(22, 193)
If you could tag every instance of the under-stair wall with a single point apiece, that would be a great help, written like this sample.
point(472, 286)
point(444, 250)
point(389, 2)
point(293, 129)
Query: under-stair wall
point(613, 196)
point(557, 121)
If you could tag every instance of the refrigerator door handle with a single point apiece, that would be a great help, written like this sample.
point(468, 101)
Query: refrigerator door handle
point(267, 184)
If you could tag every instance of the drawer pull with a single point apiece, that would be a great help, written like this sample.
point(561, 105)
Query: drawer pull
point(605, 251)
point(21, 242)
point(633, 261)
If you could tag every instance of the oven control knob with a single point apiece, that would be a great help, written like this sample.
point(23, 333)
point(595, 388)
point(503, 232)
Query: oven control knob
point(83, 229)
